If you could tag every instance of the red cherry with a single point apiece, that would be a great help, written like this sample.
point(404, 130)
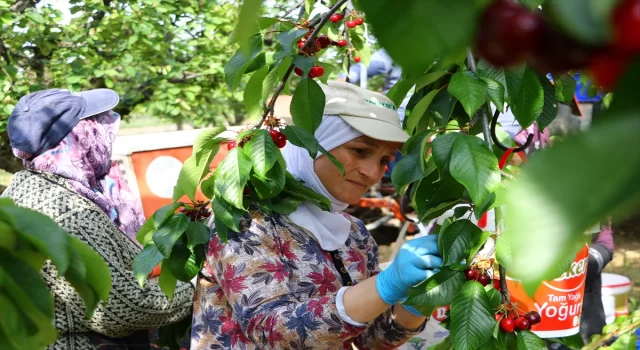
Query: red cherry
point(522, 324)
point(340, 15)
point(351, 24)
point(496, 284)
point(231, 145)
point(316, 72)
point(606, 68)
point(626, 22)
point(559, 52)
point(359, 21)
point(471, 274)
point(335, 18)
point(300, 43)
point(324, 41)
point(533, 317)
point(356, 59)
point(498, 317)
point(342, 43)
point(508, 33)
point(298, 71)
point(484, 279)
point(507, 325)
point(278, 138)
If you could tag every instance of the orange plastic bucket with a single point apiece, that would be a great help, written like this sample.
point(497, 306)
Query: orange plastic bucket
point(559, 302)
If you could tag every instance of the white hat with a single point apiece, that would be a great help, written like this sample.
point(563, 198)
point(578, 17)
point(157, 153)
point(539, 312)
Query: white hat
point(370, 113)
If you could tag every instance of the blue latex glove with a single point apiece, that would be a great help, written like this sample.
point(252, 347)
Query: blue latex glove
point(415, 263)
point(414, 311)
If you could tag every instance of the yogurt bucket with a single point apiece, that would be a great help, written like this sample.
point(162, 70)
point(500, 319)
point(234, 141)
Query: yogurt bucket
point(559, 302)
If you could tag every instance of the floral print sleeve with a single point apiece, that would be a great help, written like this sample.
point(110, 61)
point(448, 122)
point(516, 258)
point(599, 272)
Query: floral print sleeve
point(384, 332)
point(272, 287)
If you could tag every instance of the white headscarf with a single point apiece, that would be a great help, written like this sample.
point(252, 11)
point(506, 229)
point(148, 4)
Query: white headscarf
point(331, 229)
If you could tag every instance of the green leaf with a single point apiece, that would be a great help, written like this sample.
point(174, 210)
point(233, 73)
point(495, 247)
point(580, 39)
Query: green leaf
point(42, 232)
point(442, 150)
point(272, 184)
point(550, 107)
point(561, 199)
point(236, 66)
point(429, 79)
point(296, 189)
point(307, 105)
point(308, 6)
point(566, 87)
point(496, 93)
point(409, 168)
point(441, 108)
point(625, 342)
point(232, 175)
point(587, 20)
point(419, 110)
point(470, 90)
point(197, 233)
point(207, 186)
point(495, 298)
point(532, 4)
point(287, 40)
point(529, 341)
point(477, 244)
point(195, 168)
point(263, 153)
point(435, 195)
point(145, 261)
point(11, 323)
point(227, 214)
point(247, 23)
point(183, 264)
point(401, 88)
point(527, 104)
point(76, 276)
point(286, 205)
point(36, 17)
point(169, 232)
point(456, 241)
point(300, 137)
point(305, 63)
point(472, 319)
point(451, 26)
point(438, 290)
point(25, 287)
point(507, 340)
point(474, 166)
point(167, 281)
point(145, 233)
point(98, 274)
point(487, 71)
point(161, 215)
point(253, 92)
point(513, 78)
point(504, 251)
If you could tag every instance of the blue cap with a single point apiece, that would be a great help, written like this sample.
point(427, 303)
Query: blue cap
point(42, 119)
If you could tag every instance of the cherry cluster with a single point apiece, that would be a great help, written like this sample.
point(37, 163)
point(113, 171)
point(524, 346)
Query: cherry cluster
point(511, 321)
point(353, 21)
point(277, 136)
point(510, 34)
point(475, 274)
point(197, 212)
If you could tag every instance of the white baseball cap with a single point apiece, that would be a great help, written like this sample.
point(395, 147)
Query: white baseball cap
point(370, 113)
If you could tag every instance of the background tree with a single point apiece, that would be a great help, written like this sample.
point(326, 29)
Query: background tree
point(165, 58)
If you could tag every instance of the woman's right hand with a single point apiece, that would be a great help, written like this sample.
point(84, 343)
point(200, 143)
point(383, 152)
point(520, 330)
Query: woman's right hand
point(415, 263)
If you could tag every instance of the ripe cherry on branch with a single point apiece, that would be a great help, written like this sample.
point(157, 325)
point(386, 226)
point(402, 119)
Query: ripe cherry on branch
point(356, 59)
point(533, 317)
point(507, 325)
point(324, 41)
point(278, 138)
point(351, 24)
point(335, 18)
point(316, 72)
point(522, 324)
point(231, 145)
point(359, 21)
point(342, 43)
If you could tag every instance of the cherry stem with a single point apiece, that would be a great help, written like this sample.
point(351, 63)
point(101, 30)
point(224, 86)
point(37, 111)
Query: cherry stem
point(310, 41)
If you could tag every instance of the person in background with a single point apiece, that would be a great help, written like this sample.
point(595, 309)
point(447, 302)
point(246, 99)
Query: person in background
point(310, 279)
point(65, 140)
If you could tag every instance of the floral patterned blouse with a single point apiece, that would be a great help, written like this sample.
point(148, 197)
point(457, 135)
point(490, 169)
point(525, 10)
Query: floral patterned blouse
point(272, 287)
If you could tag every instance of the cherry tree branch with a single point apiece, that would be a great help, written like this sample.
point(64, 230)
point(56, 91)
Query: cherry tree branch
point(320, 21)
point(310, 41)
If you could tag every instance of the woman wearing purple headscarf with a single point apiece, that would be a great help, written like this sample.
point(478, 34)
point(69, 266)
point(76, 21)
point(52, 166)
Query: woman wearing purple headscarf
point(65, 142)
